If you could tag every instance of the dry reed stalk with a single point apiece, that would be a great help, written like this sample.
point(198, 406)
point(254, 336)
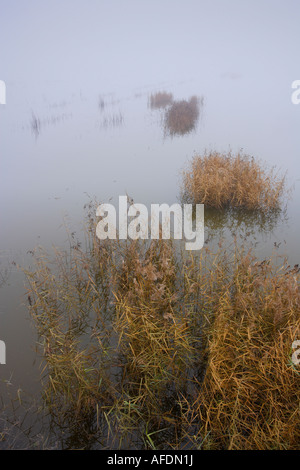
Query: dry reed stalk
point(227, 180)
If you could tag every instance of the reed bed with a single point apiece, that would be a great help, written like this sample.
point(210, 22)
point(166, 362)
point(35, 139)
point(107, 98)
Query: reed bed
point(161, 99)
point(181, 118)
point(146, 346)
point(227, 180)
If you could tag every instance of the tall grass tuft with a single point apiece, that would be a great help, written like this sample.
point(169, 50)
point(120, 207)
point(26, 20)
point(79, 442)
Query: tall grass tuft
point(228, 180)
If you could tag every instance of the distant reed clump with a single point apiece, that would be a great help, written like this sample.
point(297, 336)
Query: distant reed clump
point(160, 99)
point(182, 116)
point(226, 180)
point(148, 347)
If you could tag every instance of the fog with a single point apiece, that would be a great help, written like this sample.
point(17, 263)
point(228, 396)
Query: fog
point(57, 58)
point(113, 44)
point(57, 147)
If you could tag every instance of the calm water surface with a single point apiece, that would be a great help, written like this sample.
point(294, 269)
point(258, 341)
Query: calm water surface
point(60, 147)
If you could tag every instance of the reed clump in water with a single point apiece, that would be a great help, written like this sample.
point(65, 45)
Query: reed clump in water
point(161, 99)
point(156, 348)
point(182, 116)
point(227, 180)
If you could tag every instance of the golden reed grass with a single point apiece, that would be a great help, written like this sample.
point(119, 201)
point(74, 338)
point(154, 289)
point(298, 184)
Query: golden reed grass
point(227, 180)
point(159, 348)
point(249, 398)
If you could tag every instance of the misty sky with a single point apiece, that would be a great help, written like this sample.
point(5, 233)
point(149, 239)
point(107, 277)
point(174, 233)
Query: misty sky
point(241, 55)
point(136, 42)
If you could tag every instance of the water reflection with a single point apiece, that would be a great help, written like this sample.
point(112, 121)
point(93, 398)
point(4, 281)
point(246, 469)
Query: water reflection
point(241, 220)
point(35, 124)
point(70, 431)
point(87, 431)
point(223, 225)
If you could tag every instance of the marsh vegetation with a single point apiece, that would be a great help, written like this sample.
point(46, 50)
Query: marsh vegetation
point(145, 345)
point(222, 180)
point(179, 117)
point(182, 116)
point(161, 99)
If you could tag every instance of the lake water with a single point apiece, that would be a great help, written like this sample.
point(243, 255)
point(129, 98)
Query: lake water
point(60, 147)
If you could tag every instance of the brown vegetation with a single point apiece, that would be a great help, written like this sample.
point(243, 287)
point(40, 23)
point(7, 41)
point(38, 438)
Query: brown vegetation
point(160, 99)
point(227, 180)
point(162, 350)
point(182, 116)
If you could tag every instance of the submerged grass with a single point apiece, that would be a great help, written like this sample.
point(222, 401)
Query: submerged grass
point(227, 180)
point(145, 346)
